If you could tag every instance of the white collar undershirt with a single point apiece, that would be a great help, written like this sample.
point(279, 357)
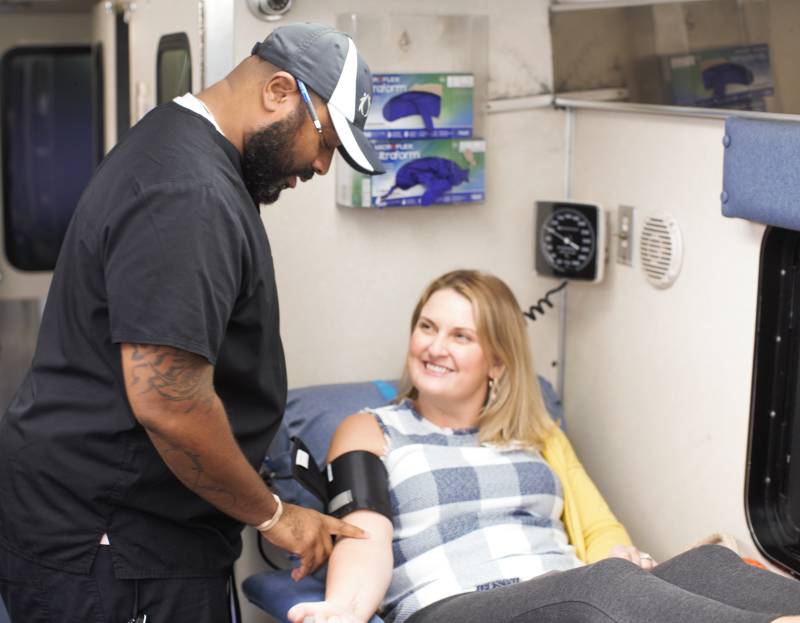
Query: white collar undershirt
point(196, 105)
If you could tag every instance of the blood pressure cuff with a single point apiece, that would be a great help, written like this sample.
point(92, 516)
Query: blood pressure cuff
point(426, 105)
point(437, 175)
point(354, 481)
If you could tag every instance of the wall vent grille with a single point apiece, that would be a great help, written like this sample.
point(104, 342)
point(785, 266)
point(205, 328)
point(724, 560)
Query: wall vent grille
point(661, 250)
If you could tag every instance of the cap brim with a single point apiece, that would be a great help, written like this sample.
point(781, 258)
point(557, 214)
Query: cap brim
point(355, 147)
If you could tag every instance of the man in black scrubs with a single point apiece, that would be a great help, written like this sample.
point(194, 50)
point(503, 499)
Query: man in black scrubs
point(128, 456)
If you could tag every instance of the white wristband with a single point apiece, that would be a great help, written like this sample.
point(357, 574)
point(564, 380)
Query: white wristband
point(270, 523)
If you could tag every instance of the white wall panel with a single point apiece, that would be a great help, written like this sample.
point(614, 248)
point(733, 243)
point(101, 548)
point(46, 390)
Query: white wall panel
point(104, 34)
point(658, 381)
point(149, 21)
point(348, 278)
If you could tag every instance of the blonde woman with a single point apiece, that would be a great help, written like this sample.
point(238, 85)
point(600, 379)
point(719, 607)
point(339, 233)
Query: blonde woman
point(493, 516)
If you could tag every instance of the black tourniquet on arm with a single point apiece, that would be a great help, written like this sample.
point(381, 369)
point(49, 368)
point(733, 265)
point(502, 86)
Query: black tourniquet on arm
point(356, 480)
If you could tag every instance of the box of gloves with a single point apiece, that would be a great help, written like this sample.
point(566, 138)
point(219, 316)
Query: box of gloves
point(423, 105)
point(423, 172)
point(733, 77)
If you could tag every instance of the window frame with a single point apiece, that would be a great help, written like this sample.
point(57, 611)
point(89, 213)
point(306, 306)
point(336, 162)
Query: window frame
point(773, 515)
point(5, 159)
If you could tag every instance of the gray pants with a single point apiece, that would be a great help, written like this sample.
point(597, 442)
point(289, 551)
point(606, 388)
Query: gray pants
point(709, 584)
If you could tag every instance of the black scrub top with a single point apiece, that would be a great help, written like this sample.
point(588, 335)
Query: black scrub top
point(165, 247)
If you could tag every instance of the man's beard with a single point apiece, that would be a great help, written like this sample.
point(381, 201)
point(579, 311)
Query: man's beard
point(267, 159)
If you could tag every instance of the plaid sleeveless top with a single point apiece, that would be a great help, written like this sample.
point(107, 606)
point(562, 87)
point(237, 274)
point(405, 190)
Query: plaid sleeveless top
point(466, 517)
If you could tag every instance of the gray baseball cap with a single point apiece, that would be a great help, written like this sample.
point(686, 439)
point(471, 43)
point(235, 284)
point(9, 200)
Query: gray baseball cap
point(328, 62)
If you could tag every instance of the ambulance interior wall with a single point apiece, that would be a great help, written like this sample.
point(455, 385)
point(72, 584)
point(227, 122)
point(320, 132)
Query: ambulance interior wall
point(348, 278)
point(658, 381)
point(657, 390)
point(657, 386)
point(103, 23)
point(149, 21)
point(664, 429)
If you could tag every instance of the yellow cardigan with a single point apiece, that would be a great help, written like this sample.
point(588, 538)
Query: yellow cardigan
point(591, 526)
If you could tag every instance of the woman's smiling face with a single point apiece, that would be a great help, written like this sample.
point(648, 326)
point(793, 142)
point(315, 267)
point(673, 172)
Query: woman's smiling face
point(446, 362)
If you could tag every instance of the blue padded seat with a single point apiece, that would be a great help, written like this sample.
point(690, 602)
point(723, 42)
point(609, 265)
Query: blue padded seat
point(757, 183)
point(313, 414)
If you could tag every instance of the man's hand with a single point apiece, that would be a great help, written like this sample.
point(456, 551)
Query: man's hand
point(307, 533)
point(628, 552)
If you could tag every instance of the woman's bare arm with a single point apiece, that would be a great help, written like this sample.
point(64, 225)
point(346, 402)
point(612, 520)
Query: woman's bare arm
point(359, 570)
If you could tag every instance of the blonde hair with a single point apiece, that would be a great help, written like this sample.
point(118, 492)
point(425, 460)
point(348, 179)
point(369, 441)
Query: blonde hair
point(517, 414)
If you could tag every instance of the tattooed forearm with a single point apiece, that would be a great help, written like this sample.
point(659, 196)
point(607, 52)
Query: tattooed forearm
point(171, 394)
point(174, 374)
point(189, 468)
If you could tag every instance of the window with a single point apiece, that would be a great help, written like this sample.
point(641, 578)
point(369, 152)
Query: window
point(47, 155)
point(773, 477)
point(173, 67)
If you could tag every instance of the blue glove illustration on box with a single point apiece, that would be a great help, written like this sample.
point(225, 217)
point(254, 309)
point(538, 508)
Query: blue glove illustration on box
point(717, 77)
point(419, 172)
point(423, 103)
point(437, 175)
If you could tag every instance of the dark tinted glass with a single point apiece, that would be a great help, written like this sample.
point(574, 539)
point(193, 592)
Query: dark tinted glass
point(174, 67)
point(773, 466)
point(47, 148)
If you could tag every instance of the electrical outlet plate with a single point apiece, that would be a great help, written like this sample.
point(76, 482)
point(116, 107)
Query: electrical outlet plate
point(625, 235)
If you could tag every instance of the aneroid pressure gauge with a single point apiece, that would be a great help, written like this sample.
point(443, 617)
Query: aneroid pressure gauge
point(570, 240)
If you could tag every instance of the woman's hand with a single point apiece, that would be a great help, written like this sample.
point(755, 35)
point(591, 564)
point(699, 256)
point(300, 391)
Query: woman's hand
point(629, 552)
point(321, 612)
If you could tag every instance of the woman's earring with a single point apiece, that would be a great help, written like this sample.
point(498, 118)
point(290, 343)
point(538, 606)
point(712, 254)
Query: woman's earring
point(492, 390)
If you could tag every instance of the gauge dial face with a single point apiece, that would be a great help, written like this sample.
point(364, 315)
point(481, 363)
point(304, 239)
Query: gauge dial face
point(567, 240)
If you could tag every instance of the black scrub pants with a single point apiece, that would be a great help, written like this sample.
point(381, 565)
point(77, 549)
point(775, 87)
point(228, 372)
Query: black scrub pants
point(709, 584)
point(34, 594)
